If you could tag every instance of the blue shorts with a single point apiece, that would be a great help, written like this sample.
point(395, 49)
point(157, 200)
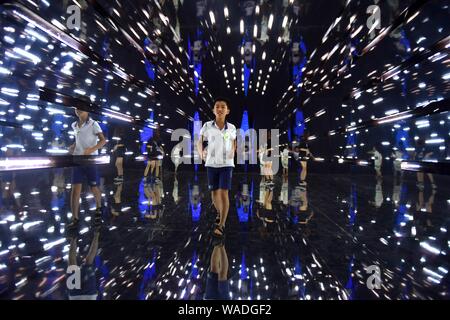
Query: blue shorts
point(219, 178)
point(85, 173)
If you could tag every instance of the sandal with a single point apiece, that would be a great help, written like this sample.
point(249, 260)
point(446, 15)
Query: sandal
point(74, 224)
point(97, 221)
point(221, 230)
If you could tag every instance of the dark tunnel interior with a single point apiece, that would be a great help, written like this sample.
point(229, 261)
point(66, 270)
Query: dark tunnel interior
point(336, 180)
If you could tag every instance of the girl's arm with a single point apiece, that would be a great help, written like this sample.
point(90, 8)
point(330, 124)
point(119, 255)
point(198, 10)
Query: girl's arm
point(101, 143)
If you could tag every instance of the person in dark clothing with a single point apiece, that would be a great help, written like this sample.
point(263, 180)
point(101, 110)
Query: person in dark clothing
point(304, 154)
point(155, 152)
point(119, 153)
point(423, 153)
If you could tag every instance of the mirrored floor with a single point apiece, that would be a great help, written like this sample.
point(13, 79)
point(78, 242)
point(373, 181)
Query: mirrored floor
point(327, 240)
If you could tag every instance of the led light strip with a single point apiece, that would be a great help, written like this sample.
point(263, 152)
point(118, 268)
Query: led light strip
point(31, 163)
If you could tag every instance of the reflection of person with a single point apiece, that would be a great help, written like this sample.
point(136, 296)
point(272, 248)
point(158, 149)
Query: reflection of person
point(8, 186)
point(153, 193)
point(285, 161)
point(422, 206)
point(300, 205)
point(305, 211)
point(304, 154)
point(423, 153)
point(378, 200)
point(427, 206)
point(196, 196)
point(244, 198)
point(266, 166)
point(155, 152)
point(221, 137)
point(88, 140)
point(284, 194)
point(248, 7)
point(58, 143)
point(378, 161)
point(396, 192)
point(200, 6)
point(248, 56)
point(116, 207)
point(176, 157)
point(87, 289)
point(175, 196)
point(119, 153)
point(217, 287)
point(397, 155)
point(266, 213)
point(197, 51)
point(261, 153)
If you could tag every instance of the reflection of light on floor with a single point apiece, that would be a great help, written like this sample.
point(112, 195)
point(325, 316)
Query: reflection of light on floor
point(429, 248)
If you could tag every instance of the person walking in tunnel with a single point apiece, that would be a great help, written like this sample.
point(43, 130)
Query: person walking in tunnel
point(423, 153)
point(89, 139)
point(219, 161)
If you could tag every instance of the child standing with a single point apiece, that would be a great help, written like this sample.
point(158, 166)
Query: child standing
point(88, 140)
point(219, 162)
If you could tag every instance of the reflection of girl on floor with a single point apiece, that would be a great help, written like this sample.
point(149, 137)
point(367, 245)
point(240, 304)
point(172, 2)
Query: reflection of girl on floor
point(175, 196)
point(265, 164)
point(378, 161)
point(88, 283)
point(217, 287)
point(378, 200)
point(116, 207)
point(284, 194)
point(423, 153)
point(397, 155)
point(423, 206)
point(59, 180)
point(153, 194)
point(300, 206)
point(8, 187)
point(176, 157)
point(425, 209)
point(265, 213)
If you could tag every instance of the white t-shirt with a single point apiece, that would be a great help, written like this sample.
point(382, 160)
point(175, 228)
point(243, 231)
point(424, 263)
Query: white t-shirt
point(220, 144)
point(86, 136)
point(398, 160)
point(378, 158)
